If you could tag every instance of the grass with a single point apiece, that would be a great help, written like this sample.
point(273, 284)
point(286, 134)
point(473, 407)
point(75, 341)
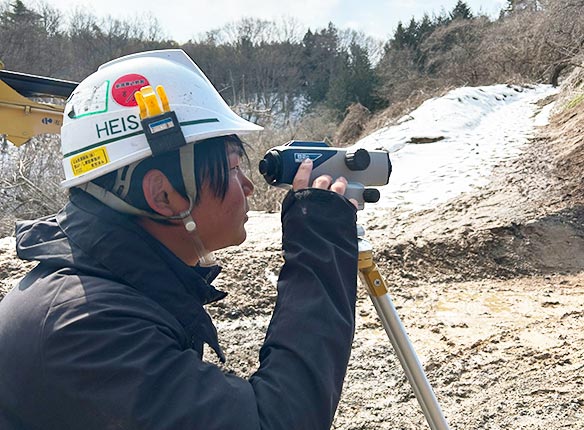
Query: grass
point(575, 101)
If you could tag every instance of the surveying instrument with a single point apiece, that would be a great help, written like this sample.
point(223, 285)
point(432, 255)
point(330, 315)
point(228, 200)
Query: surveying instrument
point(361, 168)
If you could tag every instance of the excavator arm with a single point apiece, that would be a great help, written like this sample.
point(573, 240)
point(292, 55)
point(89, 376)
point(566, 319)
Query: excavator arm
point(22, 118)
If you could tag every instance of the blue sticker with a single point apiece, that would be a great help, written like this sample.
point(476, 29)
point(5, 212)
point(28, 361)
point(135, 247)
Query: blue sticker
point(299, 157)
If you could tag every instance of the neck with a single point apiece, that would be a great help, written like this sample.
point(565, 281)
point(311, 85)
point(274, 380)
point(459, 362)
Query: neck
point(174, 236)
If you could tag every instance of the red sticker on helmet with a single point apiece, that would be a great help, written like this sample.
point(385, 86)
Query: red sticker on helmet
point(125, 87)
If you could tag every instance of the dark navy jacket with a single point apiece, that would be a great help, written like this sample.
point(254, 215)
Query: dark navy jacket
point(107, 331)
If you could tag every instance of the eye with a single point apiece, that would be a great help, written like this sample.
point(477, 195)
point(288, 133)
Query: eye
point(237, 167)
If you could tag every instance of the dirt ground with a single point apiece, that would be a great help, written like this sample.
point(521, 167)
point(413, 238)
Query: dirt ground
point(490, 287)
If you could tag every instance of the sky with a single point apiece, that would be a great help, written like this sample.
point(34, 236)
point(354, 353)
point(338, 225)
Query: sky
point(182, 20)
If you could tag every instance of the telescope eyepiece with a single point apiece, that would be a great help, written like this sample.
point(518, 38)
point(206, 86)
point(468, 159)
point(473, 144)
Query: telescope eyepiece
point(271, 167)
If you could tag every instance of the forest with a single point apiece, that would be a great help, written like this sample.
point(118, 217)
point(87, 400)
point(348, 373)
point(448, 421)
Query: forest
point(278, 68)
point(326, 83)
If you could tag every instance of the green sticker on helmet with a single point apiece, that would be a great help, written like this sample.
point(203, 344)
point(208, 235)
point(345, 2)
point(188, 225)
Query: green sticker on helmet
point(89, 101)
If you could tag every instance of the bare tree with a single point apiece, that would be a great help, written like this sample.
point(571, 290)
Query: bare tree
point(453, 51)
point(562, 37)
point(536, 40)
point(29, 180)
point(31, 38)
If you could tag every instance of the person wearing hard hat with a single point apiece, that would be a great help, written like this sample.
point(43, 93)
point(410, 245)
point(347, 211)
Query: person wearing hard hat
point(107, 331)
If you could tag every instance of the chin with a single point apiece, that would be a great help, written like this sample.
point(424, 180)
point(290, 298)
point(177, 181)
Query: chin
point(236, 240)
point(242, 238)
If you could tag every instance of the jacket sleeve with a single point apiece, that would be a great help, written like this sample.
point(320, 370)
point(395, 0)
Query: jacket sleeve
point(116, 362)
point(307, 347)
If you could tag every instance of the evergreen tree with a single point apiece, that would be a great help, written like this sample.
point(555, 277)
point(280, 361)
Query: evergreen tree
point(320, 60)
point(461, 11)
point(363, 79)
point(399, 39)
point(339, 95)
point(412, 34)
point(425, 27)
point(354, 80)
point(18, 15)
point(410, 39)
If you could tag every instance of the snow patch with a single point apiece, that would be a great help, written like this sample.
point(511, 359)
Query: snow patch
point(474, 129)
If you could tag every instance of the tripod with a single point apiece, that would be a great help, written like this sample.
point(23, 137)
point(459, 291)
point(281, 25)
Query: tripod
point(370, 276)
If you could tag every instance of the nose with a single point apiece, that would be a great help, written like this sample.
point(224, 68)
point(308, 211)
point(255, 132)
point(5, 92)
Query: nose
point(247, 185)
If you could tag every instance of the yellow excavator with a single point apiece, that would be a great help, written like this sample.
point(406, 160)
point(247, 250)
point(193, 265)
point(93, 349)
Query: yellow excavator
point(22, 118)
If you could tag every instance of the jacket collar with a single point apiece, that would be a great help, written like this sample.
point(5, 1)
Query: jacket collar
point(132, 255)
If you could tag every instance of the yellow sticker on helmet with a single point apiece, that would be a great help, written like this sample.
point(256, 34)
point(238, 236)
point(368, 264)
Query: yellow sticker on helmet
point(89, 160)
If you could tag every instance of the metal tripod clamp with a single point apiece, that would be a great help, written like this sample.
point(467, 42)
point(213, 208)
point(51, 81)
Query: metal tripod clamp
point(376, 287)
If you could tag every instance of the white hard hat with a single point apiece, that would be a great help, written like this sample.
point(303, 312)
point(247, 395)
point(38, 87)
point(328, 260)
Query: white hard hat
point(102, 131)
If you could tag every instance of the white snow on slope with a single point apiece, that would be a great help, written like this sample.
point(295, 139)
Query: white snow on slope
point(478, 127)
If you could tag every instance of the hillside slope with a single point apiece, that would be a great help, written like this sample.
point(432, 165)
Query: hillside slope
point(490, 286)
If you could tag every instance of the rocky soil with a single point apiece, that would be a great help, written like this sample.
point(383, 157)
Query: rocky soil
point(490, 287)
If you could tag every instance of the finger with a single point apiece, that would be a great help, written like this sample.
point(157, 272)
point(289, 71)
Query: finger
point(339, 186)
point(302, 175)
point(323, 182)
point(355, 203)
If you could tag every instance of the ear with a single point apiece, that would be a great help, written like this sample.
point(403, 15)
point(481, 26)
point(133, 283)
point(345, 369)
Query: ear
point(159, 193)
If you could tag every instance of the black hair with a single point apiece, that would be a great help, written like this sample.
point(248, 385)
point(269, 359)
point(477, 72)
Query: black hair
point(211, 167)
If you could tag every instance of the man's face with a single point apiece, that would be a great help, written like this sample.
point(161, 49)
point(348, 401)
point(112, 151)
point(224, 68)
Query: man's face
point(220, 223)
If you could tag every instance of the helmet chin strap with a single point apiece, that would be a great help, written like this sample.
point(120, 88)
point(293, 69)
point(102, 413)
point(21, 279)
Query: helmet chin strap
point(116, 202)
point(206, 258)
point(108, 198)
point(187, 167)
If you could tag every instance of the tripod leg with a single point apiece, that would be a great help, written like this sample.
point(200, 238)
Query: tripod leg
point(400, 341)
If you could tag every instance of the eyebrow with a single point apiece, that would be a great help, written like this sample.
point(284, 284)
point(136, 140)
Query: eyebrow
point(233, 148)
